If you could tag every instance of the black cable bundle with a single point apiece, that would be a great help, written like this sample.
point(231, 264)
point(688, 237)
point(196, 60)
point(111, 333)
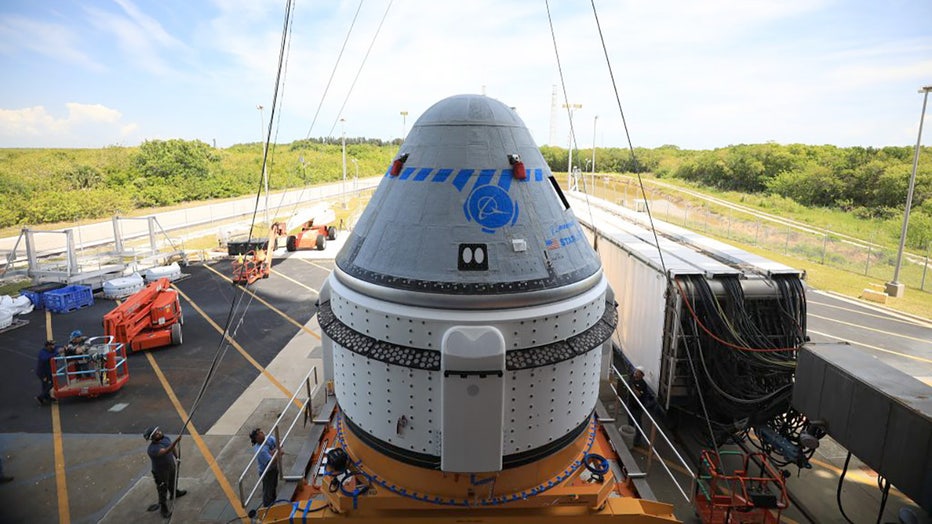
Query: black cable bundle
point(746, 355)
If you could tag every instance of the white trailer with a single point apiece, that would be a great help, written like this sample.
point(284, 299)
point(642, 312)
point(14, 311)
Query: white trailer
point(658, 290)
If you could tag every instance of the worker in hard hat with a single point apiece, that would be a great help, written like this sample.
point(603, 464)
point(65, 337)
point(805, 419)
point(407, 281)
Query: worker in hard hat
point(44, 371)
point(268, 456)
point(164, 455)
point(644, 398)
point(77, 347)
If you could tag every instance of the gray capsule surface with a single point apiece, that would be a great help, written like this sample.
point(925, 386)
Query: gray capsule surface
point(454, 219)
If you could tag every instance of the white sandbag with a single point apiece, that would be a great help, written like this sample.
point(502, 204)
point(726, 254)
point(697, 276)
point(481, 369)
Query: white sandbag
point(123, 287)
point(6, 318)
point(20, 305)
point(172, 272)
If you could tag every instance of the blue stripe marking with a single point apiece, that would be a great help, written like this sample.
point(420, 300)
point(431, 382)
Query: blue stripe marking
point(461, 178)
point(504, 181)
point(485, 177)
point(442, 175)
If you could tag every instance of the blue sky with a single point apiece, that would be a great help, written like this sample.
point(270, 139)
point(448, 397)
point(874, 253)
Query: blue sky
point(697, 74)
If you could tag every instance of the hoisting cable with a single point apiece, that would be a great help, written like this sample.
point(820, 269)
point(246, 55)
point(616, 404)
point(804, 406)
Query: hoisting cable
point(573, 143)
point(289, 6)
point(289, 31)
point(624, 122)
point(323, 97)
point(334, 71)
point(223, 346)
point(361, 65)
point(650, 216)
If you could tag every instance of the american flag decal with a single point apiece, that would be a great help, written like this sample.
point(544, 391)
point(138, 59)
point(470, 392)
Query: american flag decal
point(552, 244)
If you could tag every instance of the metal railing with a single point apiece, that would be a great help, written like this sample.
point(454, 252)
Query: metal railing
point(95, 364)
point(303, 407)
point(655, 430)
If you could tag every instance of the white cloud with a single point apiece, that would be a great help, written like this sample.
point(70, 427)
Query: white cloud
point(56, 41)
point(139, 37)
point(85, 125)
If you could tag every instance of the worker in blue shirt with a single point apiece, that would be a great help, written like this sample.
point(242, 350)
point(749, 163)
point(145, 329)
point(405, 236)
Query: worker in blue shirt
point(44, 371)
point(269, 453)
point(163, 453)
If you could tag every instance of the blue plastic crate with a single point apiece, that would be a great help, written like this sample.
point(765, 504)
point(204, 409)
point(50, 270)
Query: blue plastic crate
point(68, 298)
point(34, 293)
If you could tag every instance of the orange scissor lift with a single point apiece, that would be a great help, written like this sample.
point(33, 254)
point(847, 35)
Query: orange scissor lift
point(251, 267)
point(739, 497)
point(101, 369)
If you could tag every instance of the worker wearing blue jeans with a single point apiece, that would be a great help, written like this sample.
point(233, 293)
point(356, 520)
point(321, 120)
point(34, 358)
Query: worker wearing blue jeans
point(268, 456)
point(44, 371)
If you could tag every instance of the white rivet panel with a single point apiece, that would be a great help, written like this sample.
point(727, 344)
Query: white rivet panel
point(541, 404)
point(423, 327)
point(376, 395)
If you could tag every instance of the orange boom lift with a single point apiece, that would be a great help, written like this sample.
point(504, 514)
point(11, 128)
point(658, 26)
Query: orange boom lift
point(150, 318)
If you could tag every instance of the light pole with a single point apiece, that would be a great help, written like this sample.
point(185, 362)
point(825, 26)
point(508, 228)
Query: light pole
point(894, 287)
point(592, 173)
point(343, 140)
point(404, 124)
point(569, 163)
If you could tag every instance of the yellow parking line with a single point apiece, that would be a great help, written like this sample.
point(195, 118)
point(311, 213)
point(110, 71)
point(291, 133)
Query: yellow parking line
point(306, 261)
point(887, 317)
point(235, 344)
point(270, 306)
point(305, 286)
point(875, 348)
point(858, 326)
point(199, 442)
point(61, 483)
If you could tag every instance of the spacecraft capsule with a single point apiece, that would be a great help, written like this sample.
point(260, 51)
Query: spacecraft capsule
point(467, 317)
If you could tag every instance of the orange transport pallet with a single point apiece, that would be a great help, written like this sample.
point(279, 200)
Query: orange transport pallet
point(581, 483)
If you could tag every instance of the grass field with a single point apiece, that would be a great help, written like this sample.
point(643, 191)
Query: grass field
point(829, 263)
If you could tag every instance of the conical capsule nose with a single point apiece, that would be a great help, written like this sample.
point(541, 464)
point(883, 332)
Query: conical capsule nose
point(469, 208)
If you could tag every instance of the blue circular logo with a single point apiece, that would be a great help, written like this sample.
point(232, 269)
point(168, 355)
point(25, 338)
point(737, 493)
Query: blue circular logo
point(491, 207)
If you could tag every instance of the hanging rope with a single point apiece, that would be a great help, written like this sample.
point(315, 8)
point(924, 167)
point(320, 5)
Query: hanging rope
point(223, 345)
point(334, 71)
point(359, 71)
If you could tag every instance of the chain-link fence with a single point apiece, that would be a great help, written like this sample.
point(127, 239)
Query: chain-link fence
point(831, 249)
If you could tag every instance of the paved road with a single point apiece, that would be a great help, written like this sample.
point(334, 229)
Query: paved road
point(100, 233)
point(903, 342)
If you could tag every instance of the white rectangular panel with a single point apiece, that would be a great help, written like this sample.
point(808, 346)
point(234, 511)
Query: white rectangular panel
point(472, 364)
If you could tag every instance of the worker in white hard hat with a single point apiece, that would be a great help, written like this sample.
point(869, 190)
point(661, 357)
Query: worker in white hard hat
point(164, 454)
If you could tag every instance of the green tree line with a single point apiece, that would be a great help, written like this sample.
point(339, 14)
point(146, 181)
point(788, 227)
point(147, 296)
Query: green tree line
point(870, 183)
point(40, 186)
